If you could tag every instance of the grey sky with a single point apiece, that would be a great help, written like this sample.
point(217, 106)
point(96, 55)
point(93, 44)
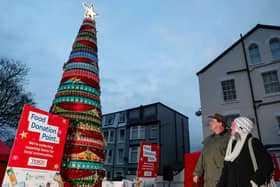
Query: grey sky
point(149, 50)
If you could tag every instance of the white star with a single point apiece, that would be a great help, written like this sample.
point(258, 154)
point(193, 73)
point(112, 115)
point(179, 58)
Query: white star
point(89, 11)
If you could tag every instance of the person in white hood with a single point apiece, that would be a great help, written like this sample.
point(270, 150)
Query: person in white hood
point(238, 168)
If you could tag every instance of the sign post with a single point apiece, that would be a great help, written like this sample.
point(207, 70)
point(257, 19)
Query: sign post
point(37, 151)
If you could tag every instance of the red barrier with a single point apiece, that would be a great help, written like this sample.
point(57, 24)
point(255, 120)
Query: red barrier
point(4, 157)
point(276, 173)
point(190, 163)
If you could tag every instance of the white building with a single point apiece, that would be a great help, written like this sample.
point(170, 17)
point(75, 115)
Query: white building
point(244, 81)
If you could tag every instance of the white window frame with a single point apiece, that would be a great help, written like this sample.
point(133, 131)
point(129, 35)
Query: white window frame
point(140, 132)
point(273, 82)
point(136, 149)
point(121, 117)
point(229, 90)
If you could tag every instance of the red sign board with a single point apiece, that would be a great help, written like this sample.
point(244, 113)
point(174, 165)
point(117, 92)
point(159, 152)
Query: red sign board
point(37, 151)
point(40, 140)
point(148, 160)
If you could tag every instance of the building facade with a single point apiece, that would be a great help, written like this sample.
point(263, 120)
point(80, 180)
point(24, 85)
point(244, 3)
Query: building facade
point(244, 81)
point(155, 123)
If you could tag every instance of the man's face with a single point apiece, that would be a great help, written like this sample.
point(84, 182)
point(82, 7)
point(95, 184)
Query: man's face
point(215, 125)
point(233, 127)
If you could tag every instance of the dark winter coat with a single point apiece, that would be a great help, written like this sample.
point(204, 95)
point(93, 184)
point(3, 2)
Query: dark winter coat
point(211, 160)
point(239, 172)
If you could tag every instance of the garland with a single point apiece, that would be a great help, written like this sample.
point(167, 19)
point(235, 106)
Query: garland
point(81, 59)
point(81, 65)
point(87, 27)
point(80, 73)
point(82, 165)
point(72, 173)
point(69, 149)
point(86, 33)
point(85, 155)
point(89, 23)
point(79, 47)
point(83, 54)
point(87, 134)
point(97, 144)
point(90, 44)
point(92, 113)
point(84, 125)
point(78, 99)
point(86, 38)
point(80, 117)
point(78, 87)
point(78, 93)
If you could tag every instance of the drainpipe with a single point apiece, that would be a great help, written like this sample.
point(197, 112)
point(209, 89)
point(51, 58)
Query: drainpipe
point(251, 88)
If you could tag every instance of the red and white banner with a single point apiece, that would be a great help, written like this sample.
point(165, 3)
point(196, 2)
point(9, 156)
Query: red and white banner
point(148, 160)
point(37, 151)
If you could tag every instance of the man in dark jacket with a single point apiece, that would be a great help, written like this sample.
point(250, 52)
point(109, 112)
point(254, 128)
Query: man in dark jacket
point(210, 163)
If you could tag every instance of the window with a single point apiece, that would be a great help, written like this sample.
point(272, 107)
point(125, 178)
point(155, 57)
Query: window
point(230, 119)
point(121, 135)
point(271, 82)
point(149, 113)
point(109, 173)
point(134, 116)
point(137, 132)
point(133, 154)
point(105, 134)
point(109, 156)
point(111, 138)
point(119, 173)
point(134, 133)
point(254, 54)
point(120, 155)
point(278, 121)
point(109, 120)
point(142, 132)
point(154, 132)
point(122, 117)
point(229, 90)
point(275, 48)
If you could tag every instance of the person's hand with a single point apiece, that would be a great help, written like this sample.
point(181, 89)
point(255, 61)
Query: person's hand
point(195, 179)
point(253, 183)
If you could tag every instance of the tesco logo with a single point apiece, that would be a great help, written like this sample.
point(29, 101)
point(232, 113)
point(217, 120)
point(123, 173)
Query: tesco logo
point(37, 162)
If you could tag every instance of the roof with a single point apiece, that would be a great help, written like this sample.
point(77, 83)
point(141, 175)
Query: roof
point(258, 26)
point(156, 103)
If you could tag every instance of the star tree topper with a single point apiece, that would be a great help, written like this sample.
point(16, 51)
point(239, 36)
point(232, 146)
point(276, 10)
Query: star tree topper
point(89, 11)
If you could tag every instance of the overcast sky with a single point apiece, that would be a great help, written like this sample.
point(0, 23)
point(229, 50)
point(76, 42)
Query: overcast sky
point(149, 50)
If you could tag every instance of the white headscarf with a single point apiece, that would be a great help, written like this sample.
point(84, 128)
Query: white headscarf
point(243, 127)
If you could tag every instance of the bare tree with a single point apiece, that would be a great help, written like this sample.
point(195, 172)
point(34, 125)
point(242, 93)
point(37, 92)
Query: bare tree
point(12, 94)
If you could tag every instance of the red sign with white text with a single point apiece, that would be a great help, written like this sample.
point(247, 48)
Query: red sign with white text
point(40, 140)
point(148, 160)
